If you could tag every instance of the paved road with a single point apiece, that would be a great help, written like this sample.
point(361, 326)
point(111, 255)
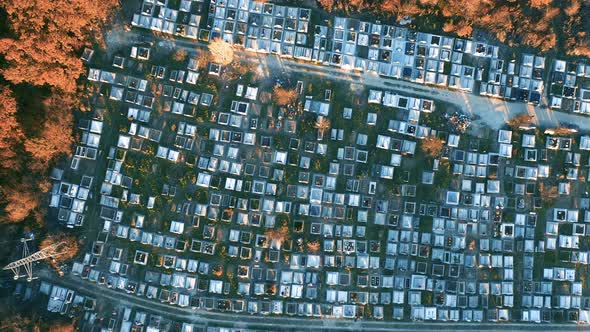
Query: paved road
point(491, 112)
point(274, 323)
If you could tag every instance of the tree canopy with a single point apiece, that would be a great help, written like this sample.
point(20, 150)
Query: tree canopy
point(283, 97)
point(432, 146)
point(222, 52)
point(68, 250)
point(46, 35)
point(522, 119)
point(56, 133)
point(10, 132)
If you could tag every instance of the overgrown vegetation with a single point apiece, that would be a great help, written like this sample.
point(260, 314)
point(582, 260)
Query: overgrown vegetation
point(519, 120)
point(432, 146)
point(67, 250)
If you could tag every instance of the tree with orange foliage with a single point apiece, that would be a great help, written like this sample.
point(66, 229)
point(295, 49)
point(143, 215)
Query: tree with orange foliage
point(67, 251)
point(327, 5)
point(283, 97)
point(221, 52)
point(392, 6)
point(561, 131)
point(20, 202)
point(217, 270)
point(278, 235)
point(522, 119)
point(10, 132)
point(237, 69)
point(18, 323)
point(46, 37)
point(540, 3)
point(313, 247)
point(62, 327)
point(179, 55)
point(462, 29)
point(432, 146)
point(576, 15)
point(33, 322)
point(322, 124)
point(56, 135)
point(548, 193)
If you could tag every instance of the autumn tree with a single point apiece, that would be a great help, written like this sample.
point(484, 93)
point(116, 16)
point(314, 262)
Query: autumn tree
point(270, 289)
point(32, 321)
point(10, 131)
point(548, 192)
point(238, 69)
point(217, 270)
point(576, 29)
point(46, 36)
point(55, 137)
point(19, 202)
point(24, 159)
point(432, 146)
point(322, 124)
point(66, 251)
point(522, 119)
point(461, 28)
point(561, 131)
point(283, 96)
point(540, 3)
point(278, 235)
point(179, 55)
point(221, 52)
point(62, 327)
point(17, 323)
point(313, 247)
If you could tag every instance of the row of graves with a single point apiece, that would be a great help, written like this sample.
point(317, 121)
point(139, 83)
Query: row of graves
point(180, 18)
point(442, 262)
point(72, 186)
point(262, 27)
point(465, 245)
point(127, 318)
point(65, 301)
point(474, 213)
point(349, 43)
point(70, 198)
point(425, 58)
point(570, 86)
point(256, 26)
point(113, 264)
